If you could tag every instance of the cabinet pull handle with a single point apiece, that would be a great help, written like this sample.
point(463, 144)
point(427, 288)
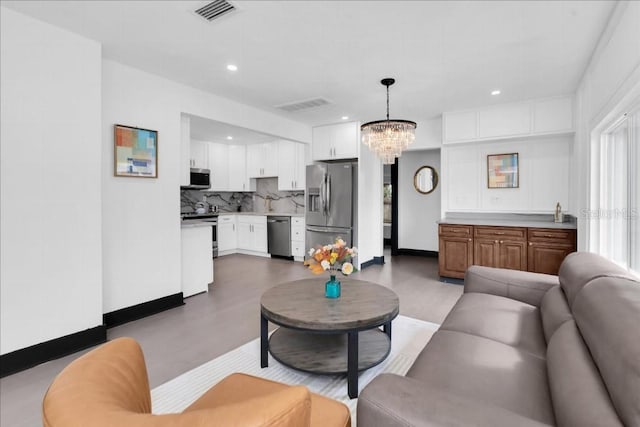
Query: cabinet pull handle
point(495, 241)
point(234, 227)
point(549, 235)
point(469, 239)
point(530, 244)
point(500, 233)
point(501, 242)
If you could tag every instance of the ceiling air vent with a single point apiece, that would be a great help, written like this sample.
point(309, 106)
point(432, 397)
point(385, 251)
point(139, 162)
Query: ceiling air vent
point(215, 9)
point(303, 105)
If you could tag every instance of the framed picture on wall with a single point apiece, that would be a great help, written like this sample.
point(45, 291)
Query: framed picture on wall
point(135, 152)
point(503, 171)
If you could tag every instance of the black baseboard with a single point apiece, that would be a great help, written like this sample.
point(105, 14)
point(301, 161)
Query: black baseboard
point(377, 260)
point(418, 252)
point(29, 357)
point(144, 309)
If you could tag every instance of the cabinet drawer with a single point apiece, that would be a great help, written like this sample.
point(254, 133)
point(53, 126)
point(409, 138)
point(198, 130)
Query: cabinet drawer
point(297, 221)
point(297, 248)
point(456, 230)
point(297, 234)
point(511, 233)
point(224, 219)
point(562, 236)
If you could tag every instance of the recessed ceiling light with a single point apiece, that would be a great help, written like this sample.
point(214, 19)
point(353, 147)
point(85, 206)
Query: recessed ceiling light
point(232, 67)
point(495, 92)
point(345, 117)
point(229, 137)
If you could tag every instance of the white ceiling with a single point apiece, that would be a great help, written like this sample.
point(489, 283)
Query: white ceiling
point(204, 129)
point(444, 55)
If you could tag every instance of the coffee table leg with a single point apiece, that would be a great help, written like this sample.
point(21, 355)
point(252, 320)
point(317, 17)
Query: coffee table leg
point(352, 365)
point(387, 329)
point(264, 342)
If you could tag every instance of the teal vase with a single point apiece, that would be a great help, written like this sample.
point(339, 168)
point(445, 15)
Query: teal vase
point(332, 287)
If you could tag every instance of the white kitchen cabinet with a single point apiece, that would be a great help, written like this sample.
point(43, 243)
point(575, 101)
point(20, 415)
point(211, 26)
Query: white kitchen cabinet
point(291, 166)
point(238, 180)
point(262, 160)
point(515, 120)
point(197, 259)
point(199, 154)
point(298, 248)
point(219, 165)
point(227, 234)
point(252, 233)
point(334, 142)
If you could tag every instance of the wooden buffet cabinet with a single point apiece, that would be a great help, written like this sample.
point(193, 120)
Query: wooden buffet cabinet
point(539, 250)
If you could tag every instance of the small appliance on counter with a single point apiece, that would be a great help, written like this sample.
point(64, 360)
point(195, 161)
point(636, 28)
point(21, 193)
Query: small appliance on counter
point(199, 179)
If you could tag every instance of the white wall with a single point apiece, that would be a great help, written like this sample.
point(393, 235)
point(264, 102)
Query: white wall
point(417, 213)
point(612, 75)
point(428, 134)
point(544, 164)
point(50, 262)
point(141, 217)
point(370, 228)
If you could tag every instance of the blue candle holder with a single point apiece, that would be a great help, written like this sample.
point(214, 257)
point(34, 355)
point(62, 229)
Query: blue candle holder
point(332, 287)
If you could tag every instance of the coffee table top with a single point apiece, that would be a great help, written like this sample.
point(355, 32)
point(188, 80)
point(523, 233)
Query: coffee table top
point(302, 305)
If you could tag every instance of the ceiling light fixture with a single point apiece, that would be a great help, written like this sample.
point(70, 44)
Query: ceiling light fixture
point(345, 117)
point(495, 92)
point(232, 67)
point(229, 137)
point(387, 138)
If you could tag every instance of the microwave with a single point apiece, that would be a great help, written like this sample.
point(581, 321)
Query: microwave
point(199, 179)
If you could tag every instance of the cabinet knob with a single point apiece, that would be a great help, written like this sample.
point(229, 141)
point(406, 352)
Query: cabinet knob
point(495, 241)
point(530, 244)
point(469, 239)
point(501, 242)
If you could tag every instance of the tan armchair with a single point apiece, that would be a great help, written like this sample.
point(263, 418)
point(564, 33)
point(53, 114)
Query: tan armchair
point(109, 387)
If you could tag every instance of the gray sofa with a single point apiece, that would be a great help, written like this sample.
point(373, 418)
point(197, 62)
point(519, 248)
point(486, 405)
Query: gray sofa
point(524, 349)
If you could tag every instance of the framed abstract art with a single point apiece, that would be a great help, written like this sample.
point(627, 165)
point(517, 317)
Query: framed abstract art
point(503, 171)
point(135, 152)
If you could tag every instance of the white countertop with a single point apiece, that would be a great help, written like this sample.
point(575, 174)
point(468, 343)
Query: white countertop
point(195, 223)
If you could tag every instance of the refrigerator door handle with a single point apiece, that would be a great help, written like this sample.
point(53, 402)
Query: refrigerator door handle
point(318, 229)
point(328, 203)
point(322, 200)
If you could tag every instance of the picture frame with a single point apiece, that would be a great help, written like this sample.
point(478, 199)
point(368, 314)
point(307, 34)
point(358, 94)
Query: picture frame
point(135, 152)
point(503, 170)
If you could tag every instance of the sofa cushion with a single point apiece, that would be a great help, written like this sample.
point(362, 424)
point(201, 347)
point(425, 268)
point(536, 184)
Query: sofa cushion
point(607, 312)
point(554, 311)
point(579, 268)
point(501, 319)
point(578, 393)
point(486, 371)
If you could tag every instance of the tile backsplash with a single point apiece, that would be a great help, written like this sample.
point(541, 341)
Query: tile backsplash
point(266, 196)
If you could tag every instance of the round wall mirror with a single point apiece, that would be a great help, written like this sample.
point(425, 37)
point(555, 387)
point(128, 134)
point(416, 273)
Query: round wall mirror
point(425, 180)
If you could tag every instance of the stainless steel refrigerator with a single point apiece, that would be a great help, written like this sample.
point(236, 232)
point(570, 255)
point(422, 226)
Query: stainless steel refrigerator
point(331, 205)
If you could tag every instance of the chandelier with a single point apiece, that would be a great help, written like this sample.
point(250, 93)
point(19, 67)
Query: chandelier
point(387, 138)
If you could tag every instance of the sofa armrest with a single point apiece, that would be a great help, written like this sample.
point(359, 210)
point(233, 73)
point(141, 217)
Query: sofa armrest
point(392, 400)
point(519, 285)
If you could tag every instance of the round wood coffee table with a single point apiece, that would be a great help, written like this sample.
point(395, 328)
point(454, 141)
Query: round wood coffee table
point(324, 335)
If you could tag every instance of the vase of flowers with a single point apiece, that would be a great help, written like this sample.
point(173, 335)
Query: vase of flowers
point(333, 258)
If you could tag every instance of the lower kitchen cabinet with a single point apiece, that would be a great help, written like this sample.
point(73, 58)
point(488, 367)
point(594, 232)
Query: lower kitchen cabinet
point(537, 250)
point(298, 249)
point(227, 233)
point(197, 259)
point(252, 233)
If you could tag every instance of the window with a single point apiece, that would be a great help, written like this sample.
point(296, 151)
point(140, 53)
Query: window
point(616, 217)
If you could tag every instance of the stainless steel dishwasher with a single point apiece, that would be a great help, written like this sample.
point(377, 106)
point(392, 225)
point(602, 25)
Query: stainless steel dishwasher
point(279, 235)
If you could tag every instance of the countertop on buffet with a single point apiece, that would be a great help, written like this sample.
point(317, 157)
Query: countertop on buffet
point(508, 220)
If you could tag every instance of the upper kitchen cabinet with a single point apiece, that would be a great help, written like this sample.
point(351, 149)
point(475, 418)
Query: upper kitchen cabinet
point(219, 165)
point(516, 120)
point(238, 180)
point(199, 154)
point(262, 160)
point(291, 166)
point(334, 142)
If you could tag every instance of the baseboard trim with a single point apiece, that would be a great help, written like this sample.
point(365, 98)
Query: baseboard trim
point(34, 355)
point(377, 260)
point(418, 252)
point(135, 312)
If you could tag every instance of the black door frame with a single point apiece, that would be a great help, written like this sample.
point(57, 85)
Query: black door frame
point(394, 208)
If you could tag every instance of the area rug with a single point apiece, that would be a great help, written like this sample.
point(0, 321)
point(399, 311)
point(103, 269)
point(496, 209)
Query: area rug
point(408, 339)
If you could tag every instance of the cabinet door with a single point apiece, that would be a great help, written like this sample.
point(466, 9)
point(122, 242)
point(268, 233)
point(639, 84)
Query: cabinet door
point(322, 143)
point(254, 160)
point(287, 165)
point(486, 252)
point(199, 154)
point(345, 140)
point(456, 255)
point(237, 168)
point(505, 120)
point(219, 165)
point(545, 257)
point(227, 238)
point(269, 159)
point(260, 237)
point(301, 167)
point(513, 255)
point(245, 235)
